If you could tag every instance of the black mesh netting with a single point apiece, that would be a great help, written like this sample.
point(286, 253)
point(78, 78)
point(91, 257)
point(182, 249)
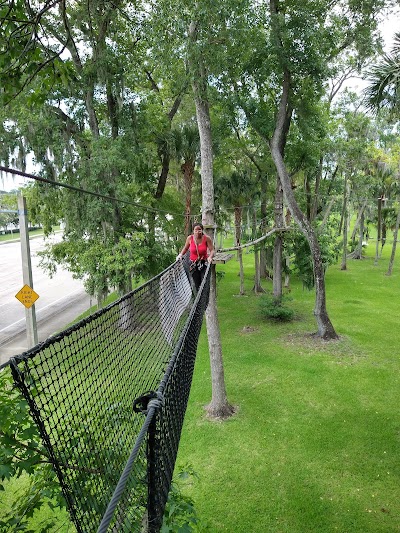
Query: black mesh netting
point(87, 387)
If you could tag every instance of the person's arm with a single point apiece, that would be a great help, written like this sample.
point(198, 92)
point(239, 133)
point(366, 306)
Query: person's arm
point(211, 249)
point(184, 249)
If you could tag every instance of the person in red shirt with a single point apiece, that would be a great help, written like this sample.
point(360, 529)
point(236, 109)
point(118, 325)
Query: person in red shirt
point(201, 251)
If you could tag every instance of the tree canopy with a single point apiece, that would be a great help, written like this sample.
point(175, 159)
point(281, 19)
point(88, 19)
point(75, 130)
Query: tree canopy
point(99, 96)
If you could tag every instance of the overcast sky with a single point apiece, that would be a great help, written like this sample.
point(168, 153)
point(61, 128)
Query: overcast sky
point(389, 27)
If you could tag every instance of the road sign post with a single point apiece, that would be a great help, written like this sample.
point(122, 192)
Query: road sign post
point(30, 313)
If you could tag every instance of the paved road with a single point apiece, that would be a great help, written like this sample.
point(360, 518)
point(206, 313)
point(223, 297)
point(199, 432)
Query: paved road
point(61, 299)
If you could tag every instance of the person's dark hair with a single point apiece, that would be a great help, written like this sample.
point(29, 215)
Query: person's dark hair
point(198, 224)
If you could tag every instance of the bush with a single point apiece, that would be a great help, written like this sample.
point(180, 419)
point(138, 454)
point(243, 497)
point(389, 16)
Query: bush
point(180, 515)
point(21, 453)
point(275, 308)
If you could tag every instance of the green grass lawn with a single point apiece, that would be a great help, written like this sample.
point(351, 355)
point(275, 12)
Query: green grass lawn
point(15, 234)
point(315, 443)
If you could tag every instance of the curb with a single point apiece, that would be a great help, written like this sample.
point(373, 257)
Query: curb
point(41, 316)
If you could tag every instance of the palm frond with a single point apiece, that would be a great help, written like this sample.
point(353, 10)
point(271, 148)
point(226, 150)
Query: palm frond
point(383, 90)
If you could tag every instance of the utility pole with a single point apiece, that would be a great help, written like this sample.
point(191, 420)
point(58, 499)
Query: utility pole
point(30, 313)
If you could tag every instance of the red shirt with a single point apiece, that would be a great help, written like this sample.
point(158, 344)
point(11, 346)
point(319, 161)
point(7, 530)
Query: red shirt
point(202, 248)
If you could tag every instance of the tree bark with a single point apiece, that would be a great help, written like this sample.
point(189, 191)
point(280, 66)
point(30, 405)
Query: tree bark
point(357, 223)
point(395, 234)
point(278, 244)
point(187, 169)
point(315, 207)
point(238, 232)
point(219, 406)
point(379, 226)
point(257, 277)
point(357, 253)
point(263, 225)
point(343, 266)
point(325, 327)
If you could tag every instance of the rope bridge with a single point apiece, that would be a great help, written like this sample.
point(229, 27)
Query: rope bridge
point(109, 396)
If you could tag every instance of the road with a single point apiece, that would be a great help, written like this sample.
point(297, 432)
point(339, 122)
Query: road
point(61, 298)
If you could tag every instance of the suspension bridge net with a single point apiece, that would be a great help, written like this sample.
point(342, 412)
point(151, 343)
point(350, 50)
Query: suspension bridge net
point(88, 390)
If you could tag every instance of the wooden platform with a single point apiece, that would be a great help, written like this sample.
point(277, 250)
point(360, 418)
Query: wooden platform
point(222, 257)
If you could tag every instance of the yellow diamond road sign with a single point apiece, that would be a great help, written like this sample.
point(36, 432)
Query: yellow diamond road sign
point(27, 296)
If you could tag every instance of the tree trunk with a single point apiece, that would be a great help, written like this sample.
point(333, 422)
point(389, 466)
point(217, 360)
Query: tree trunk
point(378, 237)
point(257, 277)
point(219, 406)
point(307, 188)
point(278, 244)
point(263, 225)
point(357, 223)
point(188, 169)
point(315, 207)
point(327, 212)
point(383, 237)
point(288, 221)
point(238, 237)
point(162, 180)
point(395, 234)
point(325, 327)
point(343, 266)
point(357, 254)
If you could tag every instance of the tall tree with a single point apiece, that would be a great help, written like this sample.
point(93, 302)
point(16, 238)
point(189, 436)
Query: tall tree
point(284, 72)
point(219, 406)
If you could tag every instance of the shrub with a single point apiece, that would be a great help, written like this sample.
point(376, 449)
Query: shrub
point(180, 515)
point(21, 453)
point(275, 308)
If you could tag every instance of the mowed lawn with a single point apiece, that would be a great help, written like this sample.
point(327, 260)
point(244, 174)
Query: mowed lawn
point(315, 443)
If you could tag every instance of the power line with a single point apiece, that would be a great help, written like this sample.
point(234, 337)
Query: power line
point(77, 189)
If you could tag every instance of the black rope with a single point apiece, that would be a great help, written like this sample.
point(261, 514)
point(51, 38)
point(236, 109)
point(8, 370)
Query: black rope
point(77, 189)
point(154, 404)
point(82, 385)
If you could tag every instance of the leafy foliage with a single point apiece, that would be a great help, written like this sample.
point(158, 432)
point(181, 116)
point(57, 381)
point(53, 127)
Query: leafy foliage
point(21, 453)
point(384, 82)
point(8, 202)
point(180, 514)
point(302, 259)
point(275, 308)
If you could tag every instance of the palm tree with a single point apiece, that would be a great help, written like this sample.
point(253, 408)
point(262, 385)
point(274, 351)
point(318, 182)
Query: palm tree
point(383, 91)
point(187, 147)
point(236, 190)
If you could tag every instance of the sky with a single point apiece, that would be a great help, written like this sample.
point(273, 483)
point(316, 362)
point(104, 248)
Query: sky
point(389, 26)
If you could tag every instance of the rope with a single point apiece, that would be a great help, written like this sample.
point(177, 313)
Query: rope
point(108, 515)
point(256, 241)
point(153, 405)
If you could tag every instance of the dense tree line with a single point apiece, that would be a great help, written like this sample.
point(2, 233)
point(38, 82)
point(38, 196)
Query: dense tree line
point(105, 97)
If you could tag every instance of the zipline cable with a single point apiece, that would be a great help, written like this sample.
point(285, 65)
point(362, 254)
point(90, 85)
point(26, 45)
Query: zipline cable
point(77, 189)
